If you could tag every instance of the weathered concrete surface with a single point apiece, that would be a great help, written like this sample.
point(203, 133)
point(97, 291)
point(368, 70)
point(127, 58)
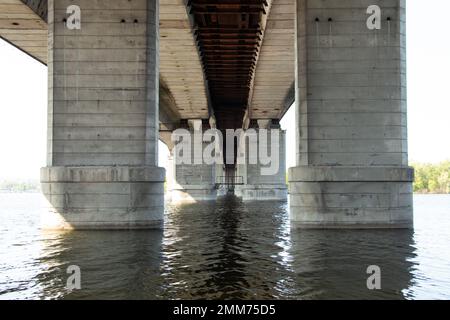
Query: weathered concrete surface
point(274, 73)
point(180, 63)
point(351, 114)
point(25, 26)
point(193, 183)
point(103, 197)
point(333, 197)
point(258, 186)
point(103, 118)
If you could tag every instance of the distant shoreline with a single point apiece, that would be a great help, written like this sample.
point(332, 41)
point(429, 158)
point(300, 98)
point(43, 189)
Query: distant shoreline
point(20, 186)
point(25, 191)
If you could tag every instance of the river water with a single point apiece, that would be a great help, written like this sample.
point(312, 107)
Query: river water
point(224, 250)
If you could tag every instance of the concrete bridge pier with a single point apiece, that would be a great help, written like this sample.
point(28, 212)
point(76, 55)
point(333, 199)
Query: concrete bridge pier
point(258, 184)
point(352, 158)
point(192, 179)
point(103, 118)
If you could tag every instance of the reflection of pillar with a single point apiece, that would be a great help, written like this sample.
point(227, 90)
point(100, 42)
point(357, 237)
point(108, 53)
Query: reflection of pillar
point(220, 179)
point(331, 264)
point(103, 120)
point(170, 176)
point(103, 257)
point(352, 158)
point(253, 182)
point(195, 181)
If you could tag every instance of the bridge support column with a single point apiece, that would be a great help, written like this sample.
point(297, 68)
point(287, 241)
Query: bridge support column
point(258, 185)
point(103, 118)
point(192, 180)
point(352, 159)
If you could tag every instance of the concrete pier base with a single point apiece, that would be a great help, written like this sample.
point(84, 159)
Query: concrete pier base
point(191, 180)
point(351, 197)
point(276, 192)
point(191, 183)
point(256, 185)
point(193, 193)
point(85, 198)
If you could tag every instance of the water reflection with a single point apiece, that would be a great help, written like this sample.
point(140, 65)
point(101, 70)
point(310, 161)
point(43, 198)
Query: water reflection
point(332, 264)
point(114, 265)
point(225, 249)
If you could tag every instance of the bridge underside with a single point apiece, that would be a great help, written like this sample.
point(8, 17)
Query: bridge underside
point(24, 25)
point(209, 55)
point(229, 36)
point(138, 69)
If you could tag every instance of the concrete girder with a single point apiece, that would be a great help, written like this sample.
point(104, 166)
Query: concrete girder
point(23, 24)
point(273, 92)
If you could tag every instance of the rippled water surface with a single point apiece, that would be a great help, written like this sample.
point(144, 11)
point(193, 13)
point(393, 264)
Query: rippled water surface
point(224, 250)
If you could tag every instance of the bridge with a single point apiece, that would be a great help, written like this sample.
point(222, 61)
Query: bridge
point(124, 74)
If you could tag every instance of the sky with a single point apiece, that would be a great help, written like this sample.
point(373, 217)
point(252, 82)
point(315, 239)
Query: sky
point(23, 98)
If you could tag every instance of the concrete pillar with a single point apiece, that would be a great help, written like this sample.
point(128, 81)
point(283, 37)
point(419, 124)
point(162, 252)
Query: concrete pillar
point(258, 185)
point(193, 181)
point(352, 158)
point(103, 117)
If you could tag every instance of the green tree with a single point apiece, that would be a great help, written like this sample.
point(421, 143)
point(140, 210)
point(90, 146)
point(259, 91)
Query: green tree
point(432, 178)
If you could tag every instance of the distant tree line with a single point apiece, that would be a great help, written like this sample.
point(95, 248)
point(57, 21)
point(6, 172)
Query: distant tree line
point(432, 178)
point(19, 186)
